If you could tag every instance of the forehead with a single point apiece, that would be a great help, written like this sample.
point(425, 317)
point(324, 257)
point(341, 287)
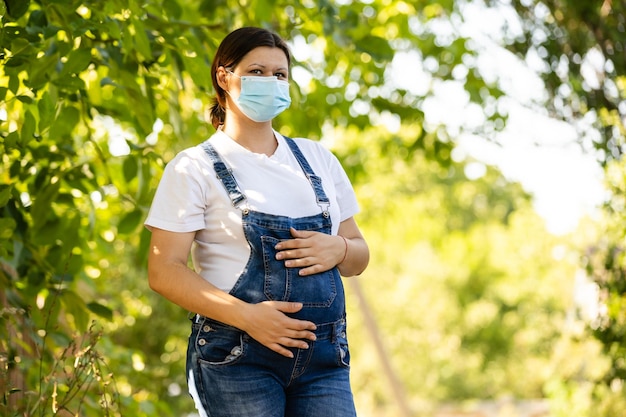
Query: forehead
point(265, 55)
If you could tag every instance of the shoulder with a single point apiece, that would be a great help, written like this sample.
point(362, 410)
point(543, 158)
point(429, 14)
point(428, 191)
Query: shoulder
point(196, 155)
point(188, 159)
point(191, 165)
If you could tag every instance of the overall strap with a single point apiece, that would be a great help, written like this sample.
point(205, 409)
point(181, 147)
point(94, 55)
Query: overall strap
point(316, 182)
point(224, 174)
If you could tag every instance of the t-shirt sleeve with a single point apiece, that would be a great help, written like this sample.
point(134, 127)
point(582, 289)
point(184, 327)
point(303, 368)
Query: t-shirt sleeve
point(179, 202)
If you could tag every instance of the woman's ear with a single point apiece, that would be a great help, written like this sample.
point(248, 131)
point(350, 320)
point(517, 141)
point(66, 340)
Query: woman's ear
point(220, 75)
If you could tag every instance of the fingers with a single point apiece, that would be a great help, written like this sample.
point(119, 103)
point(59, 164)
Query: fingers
point(281, 350)
point(291, 307)
point(286, 306)
point(295, 329)
point(269, 325)
point(310, 264)
point(291, 246)
point(298, 241)
point(289, 254)
point(312, 270)
point(297, 252)
point(296, 340)
point(283, 344)
point(292, 260)
point(303, 234)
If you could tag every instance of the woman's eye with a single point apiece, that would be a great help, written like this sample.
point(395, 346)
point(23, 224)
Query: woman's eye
point(281, 75)
point(256, 71)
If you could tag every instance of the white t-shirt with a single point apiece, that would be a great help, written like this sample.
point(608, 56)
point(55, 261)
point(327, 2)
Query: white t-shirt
point(190, 198)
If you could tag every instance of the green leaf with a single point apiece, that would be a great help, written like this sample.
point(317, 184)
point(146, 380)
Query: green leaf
point(11, 140)
point(52, 307)
point(65, 122)
point(112, 27)
point(144, 189)
point(7, 226)
point(25, 99)
point(28, 128)
point(5, 194)
point(46, 111)
point(42, 206)
point(77, 308)
point(100, 310)
point(61, 258)
point(172, 9)
point(378, 48)
point(37, 20)
point(70, 83)
point(130, 221)
point(141, 40)
point(21, 48)
point(77, 61)
point(14, 83)
point(130, 168)
point(40, 74)
point(52, 230)
point(17, 8)
point(196, 68)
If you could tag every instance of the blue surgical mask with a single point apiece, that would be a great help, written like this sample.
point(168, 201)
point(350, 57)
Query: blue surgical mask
point(262, 98)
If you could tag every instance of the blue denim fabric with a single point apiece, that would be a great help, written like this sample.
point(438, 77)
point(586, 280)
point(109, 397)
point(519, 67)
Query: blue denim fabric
point(232, 375)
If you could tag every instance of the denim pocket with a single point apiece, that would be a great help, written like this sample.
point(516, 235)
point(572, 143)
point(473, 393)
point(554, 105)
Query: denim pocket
point(284, 284)
point(218, 345)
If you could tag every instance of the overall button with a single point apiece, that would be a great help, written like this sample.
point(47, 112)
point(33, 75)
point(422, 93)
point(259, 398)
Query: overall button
point(234, 353)
point(206, 328)
point(202, 342)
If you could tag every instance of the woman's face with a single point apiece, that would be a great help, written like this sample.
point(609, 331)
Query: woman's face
point(263, 61)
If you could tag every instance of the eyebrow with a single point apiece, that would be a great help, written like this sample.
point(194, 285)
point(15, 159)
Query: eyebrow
point(254, 64)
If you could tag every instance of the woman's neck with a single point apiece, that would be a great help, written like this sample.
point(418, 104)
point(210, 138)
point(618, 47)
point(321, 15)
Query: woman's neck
point(255, 137)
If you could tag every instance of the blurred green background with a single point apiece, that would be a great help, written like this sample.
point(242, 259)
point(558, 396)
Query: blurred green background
point(470, 303)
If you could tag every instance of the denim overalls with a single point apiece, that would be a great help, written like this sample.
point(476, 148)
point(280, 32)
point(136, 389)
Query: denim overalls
point(231, 374)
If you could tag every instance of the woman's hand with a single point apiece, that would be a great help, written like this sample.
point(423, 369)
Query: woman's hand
point(267, 323)
point(314, 252)
point(317, 252)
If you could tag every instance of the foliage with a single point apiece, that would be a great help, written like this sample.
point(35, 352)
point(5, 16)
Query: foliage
point(606, 265)
point(95, 98)
point(580, 54)
point(467, 287)
point(579, 50)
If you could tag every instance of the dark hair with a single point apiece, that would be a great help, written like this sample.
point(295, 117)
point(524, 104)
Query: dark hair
point(230, 52)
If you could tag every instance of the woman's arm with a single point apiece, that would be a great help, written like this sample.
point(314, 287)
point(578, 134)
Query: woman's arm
point(317, 252)
point(169, 275)
point(357, 254)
